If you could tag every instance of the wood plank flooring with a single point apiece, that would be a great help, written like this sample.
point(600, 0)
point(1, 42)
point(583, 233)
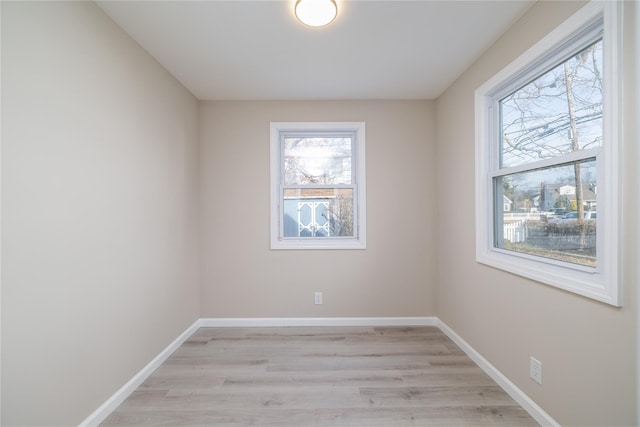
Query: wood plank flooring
point(319, 376)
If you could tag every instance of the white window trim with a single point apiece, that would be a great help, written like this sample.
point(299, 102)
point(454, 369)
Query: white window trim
point(603, 283)
point(356, 242)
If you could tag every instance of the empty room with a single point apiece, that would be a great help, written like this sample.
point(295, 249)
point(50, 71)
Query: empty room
point(382, 213)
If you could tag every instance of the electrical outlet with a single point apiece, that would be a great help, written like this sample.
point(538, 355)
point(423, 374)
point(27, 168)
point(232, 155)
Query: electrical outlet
point(318, 298)
point(535, 370)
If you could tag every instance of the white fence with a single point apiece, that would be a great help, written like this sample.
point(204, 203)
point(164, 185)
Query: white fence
point(535, 216)
point(515, 232)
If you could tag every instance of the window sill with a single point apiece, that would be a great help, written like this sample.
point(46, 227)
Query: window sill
point(585, 281)
point(319, 244)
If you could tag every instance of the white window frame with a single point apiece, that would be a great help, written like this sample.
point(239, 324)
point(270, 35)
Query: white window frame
point(359, 177)
point(603, 282)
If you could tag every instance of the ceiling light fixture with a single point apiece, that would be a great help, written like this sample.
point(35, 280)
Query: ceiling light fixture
point(316, 13)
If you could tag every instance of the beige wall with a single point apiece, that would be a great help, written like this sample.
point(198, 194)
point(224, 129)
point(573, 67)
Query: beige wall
point(242, 277)
point(587, 348)
point(99, 195)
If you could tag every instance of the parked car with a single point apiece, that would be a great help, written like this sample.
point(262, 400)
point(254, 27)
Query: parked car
point(573, 216)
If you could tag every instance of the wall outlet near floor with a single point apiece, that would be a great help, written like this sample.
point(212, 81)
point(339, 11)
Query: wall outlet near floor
point(317, 297)
point(535, 370)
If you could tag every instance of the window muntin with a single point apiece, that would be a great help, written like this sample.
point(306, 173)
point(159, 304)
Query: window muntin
point(317, 186)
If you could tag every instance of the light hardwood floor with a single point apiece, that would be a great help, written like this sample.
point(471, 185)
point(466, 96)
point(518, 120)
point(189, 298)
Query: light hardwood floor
point(319, 376)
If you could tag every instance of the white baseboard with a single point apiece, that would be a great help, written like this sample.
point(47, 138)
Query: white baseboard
point(316, 321)
point(510, 388)
point(518, 395)
point(100, 414)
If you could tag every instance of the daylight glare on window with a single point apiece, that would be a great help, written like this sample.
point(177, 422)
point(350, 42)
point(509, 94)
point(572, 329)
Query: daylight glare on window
point(317, 160)
point(318, 185)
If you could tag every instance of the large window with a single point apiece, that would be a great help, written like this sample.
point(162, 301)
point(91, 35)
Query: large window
point(547, 163)
point(317, 186)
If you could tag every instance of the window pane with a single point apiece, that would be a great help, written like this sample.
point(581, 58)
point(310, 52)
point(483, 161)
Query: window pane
point(544, 213)
point(557, 113)
point(318, 212)
point(317, 161)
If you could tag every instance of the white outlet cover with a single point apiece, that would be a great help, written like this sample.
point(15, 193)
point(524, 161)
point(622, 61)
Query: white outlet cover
point(535, 370)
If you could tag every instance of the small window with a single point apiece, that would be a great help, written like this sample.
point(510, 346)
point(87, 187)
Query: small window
point(547, 163)
point(317, 186)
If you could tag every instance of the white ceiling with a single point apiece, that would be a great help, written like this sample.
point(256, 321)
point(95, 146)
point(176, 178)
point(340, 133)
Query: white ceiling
point(256, 50)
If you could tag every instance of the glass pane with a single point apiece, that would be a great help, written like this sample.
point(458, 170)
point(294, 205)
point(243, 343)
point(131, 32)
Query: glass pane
point(318, 212)
point(557, 113)
point(544, 213)
point(317, 161)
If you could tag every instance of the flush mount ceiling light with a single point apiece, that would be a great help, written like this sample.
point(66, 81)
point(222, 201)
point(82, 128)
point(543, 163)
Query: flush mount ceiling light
point(316, 13)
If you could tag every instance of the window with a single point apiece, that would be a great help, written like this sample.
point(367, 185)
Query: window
point(317, 186)
point(547, 159)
